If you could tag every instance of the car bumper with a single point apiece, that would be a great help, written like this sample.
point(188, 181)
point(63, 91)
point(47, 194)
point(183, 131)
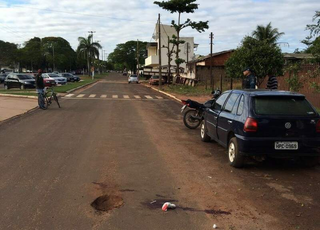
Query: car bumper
point(253, 146)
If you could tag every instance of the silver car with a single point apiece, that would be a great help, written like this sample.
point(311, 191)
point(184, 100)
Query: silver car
point(133, 78)
point(58, 79)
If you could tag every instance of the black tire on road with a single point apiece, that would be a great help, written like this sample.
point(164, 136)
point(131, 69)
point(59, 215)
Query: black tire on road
point(203, 132)
point(189, 121)
point(235, 159)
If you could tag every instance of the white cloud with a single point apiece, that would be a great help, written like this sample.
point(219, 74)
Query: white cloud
point(119, 21)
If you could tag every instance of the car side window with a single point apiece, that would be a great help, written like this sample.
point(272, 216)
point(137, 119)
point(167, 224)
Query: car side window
point(240, 107)
point(236, 105)
point(219, 103)
point(231, 102)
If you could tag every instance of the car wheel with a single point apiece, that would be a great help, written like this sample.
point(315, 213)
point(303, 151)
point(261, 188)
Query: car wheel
point(6, 87)
point(203, 132)
point(129, 82)
point(235, 159)
point(310, 161)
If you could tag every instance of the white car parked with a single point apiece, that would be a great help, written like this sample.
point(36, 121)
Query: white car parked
point(58, 79)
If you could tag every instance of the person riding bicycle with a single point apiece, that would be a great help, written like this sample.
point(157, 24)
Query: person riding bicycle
point(40, 87)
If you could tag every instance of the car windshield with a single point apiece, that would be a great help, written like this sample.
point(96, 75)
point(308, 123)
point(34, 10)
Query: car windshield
point(24, 77)
point(133, 76)
point(283, 106)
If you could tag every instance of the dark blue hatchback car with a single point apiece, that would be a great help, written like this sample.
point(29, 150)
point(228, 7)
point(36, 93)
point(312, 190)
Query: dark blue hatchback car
point(263, 123)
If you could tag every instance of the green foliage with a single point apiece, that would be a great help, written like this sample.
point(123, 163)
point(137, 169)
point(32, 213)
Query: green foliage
point(314, 45)
point(314, 28)
point(178, 6)
point(263, 58)
point(8, 53)
point(295, 81)
point(125, 55)
point(267, 33)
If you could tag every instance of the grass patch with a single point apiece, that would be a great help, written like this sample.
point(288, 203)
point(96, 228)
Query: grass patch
point(30, 92)
point(72, 85)
point(198, 90)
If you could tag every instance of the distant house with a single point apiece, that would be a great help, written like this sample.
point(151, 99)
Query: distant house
point(199, 70)
point(151, 66)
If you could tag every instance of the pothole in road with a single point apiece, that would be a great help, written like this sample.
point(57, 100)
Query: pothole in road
point(106, 203)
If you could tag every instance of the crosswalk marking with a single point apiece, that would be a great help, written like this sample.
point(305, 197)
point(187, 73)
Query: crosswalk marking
point(137, 97)
point(69, 95)
point(103, 96)
point(148, 97)
point(92, 95)
point(126, 96)
point(81, 95)
point(159, 97)
point(114, 96)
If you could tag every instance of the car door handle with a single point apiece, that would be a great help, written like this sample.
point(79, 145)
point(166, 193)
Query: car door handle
point(230, 122)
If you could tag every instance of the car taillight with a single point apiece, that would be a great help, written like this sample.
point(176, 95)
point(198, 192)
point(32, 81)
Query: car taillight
point(251, 125)
point(318, 126)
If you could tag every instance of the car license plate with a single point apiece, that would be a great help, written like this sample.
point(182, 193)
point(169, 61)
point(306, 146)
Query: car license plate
point(183, 108)
point(286, 145)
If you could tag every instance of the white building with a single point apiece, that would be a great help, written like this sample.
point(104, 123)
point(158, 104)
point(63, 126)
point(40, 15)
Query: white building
point(152, 62)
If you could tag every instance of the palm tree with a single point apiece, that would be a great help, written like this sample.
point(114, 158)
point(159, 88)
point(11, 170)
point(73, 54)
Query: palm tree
point(88, 49)
point(268, 34)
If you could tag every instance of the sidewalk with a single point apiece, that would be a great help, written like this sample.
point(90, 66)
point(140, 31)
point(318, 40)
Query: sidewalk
point(11, 106)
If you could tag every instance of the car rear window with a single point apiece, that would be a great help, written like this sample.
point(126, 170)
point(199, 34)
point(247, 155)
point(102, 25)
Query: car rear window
point(286, 106)
point(133, 76)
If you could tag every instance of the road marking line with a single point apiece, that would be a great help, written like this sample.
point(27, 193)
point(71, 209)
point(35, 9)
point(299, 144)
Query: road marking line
point(137, 96)
point(159, 97)
point(92, 95)
point(103, 96)
point(148, 97)
point(114, 96)
point(69, 95)
point(81, 95)
point(126, 96)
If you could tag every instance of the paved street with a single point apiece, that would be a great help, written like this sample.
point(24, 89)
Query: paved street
point(127, 144)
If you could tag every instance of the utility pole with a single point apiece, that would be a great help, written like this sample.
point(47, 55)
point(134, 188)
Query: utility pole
point(53, 56)
point(188, 47)
point(138, 67)
point(91, 32)
point(211, 75)
point(160, 73)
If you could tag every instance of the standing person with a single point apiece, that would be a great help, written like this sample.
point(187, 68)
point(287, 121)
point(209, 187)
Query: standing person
point(250, 80)
point(272, 82)
point(40, 87)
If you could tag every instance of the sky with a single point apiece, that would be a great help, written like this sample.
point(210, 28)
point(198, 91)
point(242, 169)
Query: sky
point(118, 21)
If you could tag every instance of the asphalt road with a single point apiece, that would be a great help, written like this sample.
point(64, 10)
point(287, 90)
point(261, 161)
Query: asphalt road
point(127, 144)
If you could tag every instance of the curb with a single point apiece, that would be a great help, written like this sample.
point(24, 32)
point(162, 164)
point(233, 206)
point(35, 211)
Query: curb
point(19, 115)
point(82, 86)
point(165, 93)
point(17, 96)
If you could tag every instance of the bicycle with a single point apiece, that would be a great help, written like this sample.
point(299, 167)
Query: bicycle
point(50, 95)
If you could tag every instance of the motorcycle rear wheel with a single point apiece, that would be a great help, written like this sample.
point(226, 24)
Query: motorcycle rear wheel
point(189, 119)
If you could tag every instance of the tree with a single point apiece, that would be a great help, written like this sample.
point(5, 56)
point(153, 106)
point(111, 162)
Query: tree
point(313, 40)
point(8, 53)
point(32, 54)
point(182, 6)
point(263, 58)
point(88, 49)
point(125, 55)
point(267, 33)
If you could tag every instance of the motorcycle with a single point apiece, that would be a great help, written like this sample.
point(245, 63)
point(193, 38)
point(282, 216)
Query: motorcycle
point(193, 117)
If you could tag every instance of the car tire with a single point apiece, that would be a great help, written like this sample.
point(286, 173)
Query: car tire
point(129, 82)
point(22, 87)
point(235, 159)
point(203, 132)
point(310, 161)
point(6, 87)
